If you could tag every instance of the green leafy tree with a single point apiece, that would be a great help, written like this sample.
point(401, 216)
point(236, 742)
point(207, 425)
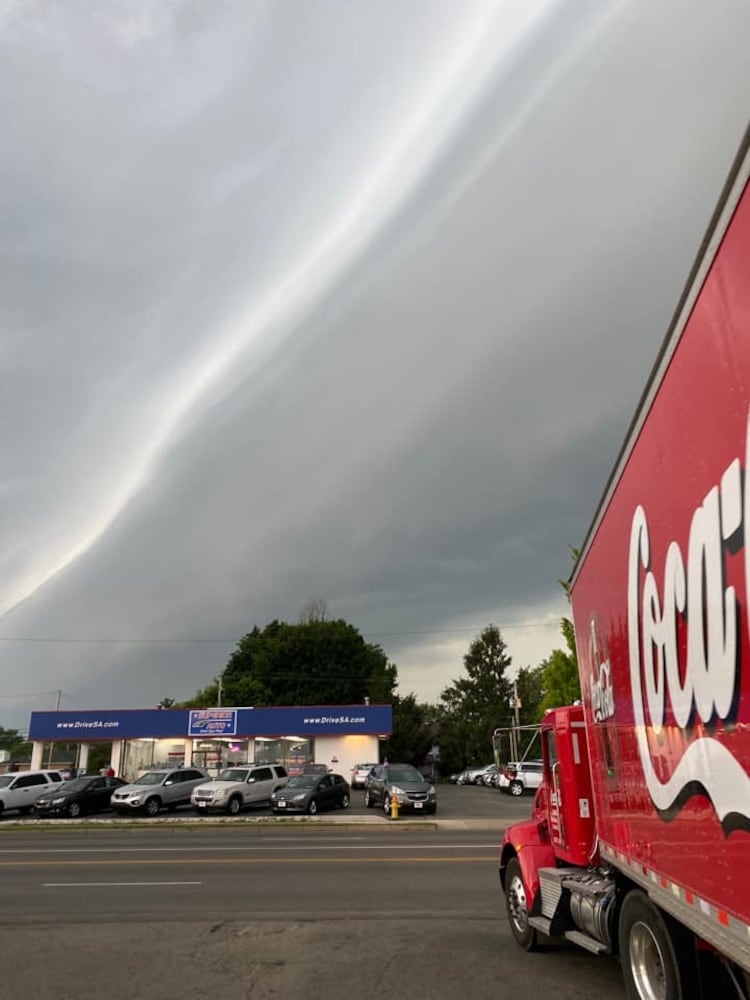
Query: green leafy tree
point(17, 744)
point(312, 662)
point(530, 688)
point(474, 705)
point(560, 678)
point(413, 730)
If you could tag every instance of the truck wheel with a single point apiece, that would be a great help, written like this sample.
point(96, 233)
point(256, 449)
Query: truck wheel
point(657, 954)
point(518, 907)
point(233, 806)
point(516, 788)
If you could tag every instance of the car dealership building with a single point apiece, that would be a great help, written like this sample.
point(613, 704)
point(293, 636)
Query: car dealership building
point(339, 736)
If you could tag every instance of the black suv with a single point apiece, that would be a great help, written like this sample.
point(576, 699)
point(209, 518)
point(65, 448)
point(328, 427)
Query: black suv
point(401, 781)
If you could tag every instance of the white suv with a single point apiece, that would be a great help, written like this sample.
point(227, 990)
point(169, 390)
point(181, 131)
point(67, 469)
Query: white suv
point(21, 789)
point(239, 786)
point(522, 776)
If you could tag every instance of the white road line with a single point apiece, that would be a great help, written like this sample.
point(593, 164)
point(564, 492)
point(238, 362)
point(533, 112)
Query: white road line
point(246, 848)
point(73, 885)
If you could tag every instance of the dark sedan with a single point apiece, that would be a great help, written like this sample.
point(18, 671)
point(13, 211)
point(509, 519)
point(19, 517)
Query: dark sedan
point(403, 782)
point(90, 794)
point(312, 793)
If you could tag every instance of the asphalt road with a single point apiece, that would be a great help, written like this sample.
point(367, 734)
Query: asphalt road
point(260, 912)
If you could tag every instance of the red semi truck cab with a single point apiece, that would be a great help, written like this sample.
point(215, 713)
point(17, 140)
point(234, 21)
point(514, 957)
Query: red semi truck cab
point(639, 841)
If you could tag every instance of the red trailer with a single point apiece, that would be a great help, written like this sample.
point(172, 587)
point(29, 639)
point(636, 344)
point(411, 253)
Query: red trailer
point(639, 843)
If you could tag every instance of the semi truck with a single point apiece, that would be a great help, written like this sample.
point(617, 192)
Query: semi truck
point(639, 839)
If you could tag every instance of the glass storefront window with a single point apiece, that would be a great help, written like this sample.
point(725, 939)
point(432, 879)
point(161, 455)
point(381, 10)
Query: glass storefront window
point(214, 755)
point(291, 751)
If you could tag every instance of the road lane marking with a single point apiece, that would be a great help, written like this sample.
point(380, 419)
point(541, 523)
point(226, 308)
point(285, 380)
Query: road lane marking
point(242, 861)
point(73, 885)
point(235, 848)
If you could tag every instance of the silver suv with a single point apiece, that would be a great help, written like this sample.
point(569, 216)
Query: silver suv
point(21, 789)
point(169, 787)
point(239, 786)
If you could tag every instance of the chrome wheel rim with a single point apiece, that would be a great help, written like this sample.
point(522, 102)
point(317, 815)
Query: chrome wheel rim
point(517, 907)
point(647, 963)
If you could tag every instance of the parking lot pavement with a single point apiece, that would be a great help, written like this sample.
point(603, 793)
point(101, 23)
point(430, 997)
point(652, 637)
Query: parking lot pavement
point(459, 807)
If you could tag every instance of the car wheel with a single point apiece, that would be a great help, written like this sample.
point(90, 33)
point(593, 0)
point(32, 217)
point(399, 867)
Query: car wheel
point(387, 804)
point(431, 812)
point(73, 810)
point(312, 808)
point(233, 806)
point(344, 801)
point(368, 799)
point(516, 788)
point(152, 806)
point(478, 779)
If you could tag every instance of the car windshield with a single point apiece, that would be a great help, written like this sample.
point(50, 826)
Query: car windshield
point(365, 767)
point(233, 774)
point(404, 774)
point(76, 785)
point(304, 781)
point(151, 778)
point(6, 779)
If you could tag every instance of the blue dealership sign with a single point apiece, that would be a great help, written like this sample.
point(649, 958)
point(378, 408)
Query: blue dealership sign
point(207, 722)
point(179, 723)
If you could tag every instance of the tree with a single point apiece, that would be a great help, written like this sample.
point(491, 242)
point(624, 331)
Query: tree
point(560, 678)
point(315, 610)
point(166, 703)
point(413, 736)
point(13, 741)
point(315, 662)
point(475, 705)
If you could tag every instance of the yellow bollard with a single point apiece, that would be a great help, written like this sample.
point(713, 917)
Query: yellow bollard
point(394, 807)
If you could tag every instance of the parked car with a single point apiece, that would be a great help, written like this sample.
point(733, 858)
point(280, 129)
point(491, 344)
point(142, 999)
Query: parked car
point(238, 787)
point(475, 775)
point(21, 789)
point(522, 776)
point(88, 794)
point(170, 787)
point(359, 774)
point(312, 793)
point(404, 781)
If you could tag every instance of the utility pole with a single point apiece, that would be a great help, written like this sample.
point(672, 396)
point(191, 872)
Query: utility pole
point(57, 709)
point(220, 690)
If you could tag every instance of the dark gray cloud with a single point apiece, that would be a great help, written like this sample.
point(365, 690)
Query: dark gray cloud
point(330, 303)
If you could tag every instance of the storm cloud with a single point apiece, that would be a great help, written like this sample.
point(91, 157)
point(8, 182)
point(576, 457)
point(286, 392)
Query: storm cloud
point(351, 301)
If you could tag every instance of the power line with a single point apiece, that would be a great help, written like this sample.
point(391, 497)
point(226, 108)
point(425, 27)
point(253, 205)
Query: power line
point(133, 640)
point(28, 697)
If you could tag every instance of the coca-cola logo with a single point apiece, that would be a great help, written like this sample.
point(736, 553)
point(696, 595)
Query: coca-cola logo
point(698, 680)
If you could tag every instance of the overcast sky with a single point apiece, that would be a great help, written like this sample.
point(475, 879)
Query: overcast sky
point(349, 300)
